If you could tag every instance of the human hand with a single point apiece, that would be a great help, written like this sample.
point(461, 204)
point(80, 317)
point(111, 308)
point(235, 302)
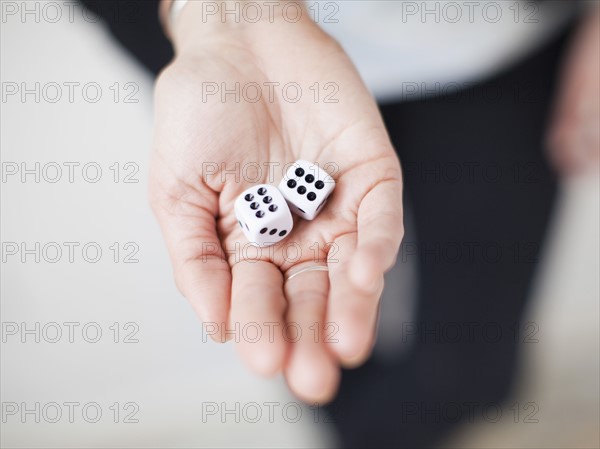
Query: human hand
point(358, 233)
point(574, 138)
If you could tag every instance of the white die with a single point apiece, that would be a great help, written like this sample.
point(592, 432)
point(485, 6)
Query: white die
point(264, 215)
point(306, 188)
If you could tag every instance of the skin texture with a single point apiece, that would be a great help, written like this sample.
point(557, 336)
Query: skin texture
point(360, 227)
point(358, 233)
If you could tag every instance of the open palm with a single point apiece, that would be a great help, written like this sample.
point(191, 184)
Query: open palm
point(210, 147)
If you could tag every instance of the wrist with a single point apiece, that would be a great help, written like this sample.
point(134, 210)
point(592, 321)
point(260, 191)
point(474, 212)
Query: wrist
point(195, 23)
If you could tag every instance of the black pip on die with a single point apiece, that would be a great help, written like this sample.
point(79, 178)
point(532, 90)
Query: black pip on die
point(263, 215)
point(306, 188)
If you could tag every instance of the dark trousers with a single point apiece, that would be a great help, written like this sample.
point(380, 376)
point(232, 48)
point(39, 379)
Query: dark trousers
point(481, 195)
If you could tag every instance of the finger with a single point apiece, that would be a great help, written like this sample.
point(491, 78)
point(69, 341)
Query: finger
point(201, 272)
point(574, 145)
point(563, 153)
point(380, 231)
point(352, 311)
point(257, 315)
point(311, 369)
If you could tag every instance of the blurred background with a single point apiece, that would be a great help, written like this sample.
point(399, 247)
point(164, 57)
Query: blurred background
point(98, 347)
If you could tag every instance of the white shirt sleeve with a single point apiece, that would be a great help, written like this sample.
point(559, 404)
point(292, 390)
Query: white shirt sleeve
point(407, 49)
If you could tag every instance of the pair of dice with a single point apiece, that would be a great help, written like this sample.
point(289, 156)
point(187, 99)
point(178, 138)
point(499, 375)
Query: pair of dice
point(263, 211)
